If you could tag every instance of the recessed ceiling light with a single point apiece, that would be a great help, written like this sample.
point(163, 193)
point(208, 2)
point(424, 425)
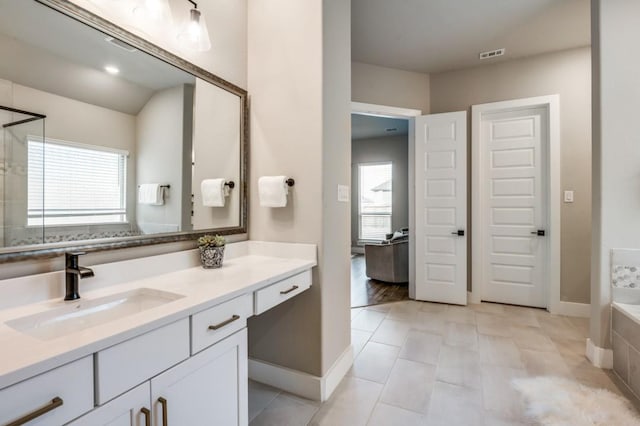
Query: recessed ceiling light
point(111, 69)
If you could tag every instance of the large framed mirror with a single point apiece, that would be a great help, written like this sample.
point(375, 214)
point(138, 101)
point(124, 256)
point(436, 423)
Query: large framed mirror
point(107, 141)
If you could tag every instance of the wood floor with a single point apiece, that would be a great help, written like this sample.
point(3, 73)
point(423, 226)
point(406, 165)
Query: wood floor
point(366, 292)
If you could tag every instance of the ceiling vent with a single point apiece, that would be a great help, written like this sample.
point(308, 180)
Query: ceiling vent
point(120, 44)
point(391, 129)
point(492, 53)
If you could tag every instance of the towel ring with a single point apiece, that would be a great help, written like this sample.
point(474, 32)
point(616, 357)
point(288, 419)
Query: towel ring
point(231, 184)
point(290, 182)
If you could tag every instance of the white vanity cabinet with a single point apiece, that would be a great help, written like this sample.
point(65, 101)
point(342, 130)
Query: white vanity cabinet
point(131, 409)
point(47, 399)
point(184, 364)
point(210, 388)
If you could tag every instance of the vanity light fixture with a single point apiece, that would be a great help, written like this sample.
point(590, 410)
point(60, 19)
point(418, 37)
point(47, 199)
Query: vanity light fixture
point(193, 33)
point(111, 69)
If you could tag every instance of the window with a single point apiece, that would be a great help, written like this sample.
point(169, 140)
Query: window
point(374, 204)
point(72, 184)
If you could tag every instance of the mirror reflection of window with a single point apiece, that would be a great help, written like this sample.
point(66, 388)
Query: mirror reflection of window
point(375, 200)
point(63, 185)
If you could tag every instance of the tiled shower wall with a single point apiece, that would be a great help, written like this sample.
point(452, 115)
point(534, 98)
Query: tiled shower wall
point(625, 276)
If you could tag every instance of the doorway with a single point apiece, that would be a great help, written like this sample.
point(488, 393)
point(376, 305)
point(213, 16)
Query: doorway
point(379, 204)
point(515, 204)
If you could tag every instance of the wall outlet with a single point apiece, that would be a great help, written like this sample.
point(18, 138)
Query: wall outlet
point(343, 193)
point(568, 196)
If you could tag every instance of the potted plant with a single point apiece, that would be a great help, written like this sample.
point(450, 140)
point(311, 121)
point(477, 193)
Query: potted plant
point(211, 250)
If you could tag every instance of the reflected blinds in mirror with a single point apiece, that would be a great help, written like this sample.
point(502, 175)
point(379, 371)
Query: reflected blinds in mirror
point(81, 184)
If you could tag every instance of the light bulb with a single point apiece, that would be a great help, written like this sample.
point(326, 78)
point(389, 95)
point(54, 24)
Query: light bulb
point(156, 11)
point(194, 34)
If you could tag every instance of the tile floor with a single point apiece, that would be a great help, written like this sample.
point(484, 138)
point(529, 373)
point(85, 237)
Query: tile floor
point(422, 363)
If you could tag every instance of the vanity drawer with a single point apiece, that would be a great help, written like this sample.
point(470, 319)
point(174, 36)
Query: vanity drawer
point(268, 297)
point(61, 395)
point(125, 365)
point(220, 321)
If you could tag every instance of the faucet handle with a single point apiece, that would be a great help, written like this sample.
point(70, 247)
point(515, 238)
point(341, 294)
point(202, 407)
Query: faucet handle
point(71, 258)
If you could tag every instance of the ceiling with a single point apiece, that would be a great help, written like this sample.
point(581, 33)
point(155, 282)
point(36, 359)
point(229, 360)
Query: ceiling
point(369, 127)
point(432, 36)
point(67, 58)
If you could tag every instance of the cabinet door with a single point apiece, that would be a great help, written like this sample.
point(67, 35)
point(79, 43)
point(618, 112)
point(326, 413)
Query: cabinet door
point(209, 388)
point(126, 410)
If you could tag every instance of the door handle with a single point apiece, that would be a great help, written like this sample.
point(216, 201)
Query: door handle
point(27, 418)
point(539, 233)
point(147, 416)
point(295, 287)
point(223, 323)
point(163, 403)
point(459, 233)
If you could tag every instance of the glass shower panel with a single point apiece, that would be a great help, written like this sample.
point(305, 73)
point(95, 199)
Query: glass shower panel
point(21, 193)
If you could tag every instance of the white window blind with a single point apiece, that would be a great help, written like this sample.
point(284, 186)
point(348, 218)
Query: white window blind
point(71, 184)
point(374, 204)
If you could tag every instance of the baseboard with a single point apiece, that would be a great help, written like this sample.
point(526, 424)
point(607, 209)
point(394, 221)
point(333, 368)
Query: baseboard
point(571, 309)
point(336, 373)
point(299, 383)
point(599, 357)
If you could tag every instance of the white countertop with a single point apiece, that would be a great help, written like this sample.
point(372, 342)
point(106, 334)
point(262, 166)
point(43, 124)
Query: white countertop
point(23, 356)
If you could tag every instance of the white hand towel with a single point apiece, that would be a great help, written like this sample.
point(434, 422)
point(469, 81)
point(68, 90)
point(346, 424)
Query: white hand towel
point(151, 194)
point(213, 192)
point(273, 191)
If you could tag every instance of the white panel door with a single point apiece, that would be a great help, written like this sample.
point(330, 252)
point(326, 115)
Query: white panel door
point(514, 160)
point(441, 207)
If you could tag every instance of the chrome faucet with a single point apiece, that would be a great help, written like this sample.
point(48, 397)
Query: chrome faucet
point(73, 274)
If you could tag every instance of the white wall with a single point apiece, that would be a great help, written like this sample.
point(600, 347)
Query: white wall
point(299, 81)
point(216, 146)
point(159, 133)
point(616, 147)
point(391, 87)
point(567, 73)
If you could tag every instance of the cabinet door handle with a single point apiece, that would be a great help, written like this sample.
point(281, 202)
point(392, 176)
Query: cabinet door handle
point(55, 403)
point(223, 323)
point(295, 287)
point(163, 402)
point(147, 416)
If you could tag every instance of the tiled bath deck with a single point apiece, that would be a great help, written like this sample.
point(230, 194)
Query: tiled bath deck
point(429, 364)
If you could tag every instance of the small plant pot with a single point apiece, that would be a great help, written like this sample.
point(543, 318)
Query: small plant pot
point(211, 257)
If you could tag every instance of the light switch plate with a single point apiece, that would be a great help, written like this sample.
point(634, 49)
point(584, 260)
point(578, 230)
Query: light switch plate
point(568, 196)
point(343, 193)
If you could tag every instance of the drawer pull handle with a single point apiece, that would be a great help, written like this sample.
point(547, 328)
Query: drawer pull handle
point(55, 403)
point(223, 323)
point(163, 402)
point(295, 287)
point(147, 416)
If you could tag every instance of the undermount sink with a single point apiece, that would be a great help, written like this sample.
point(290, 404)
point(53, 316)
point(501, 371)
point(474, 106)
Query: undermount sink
point(82, 314)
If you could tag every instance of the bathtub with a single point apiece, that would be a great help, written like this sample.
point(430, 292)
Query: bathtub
point(631, 311)
point(625, 335)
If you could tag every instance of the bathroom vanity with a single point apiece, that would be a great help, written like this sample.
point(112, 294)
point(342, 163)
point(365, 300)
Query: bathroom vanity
point(168, 348)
